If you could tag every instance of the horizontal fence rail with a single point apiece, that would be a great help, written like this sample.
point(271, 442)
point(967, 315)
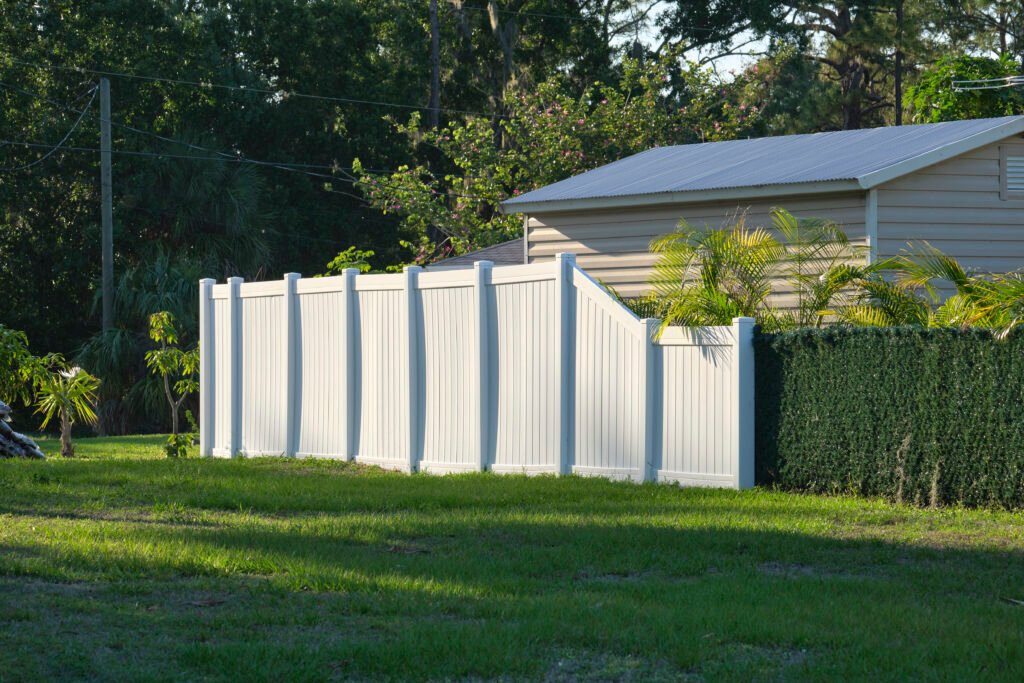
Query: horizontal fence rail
point(531, 369)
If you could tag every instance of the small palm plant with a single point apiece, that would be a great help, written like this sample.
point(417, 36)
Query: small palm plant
point(68, 393)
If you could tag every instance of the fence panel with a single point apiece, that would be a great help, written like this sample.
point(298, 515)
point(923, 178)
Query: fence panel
point(382, 371)
point(532, 369)
point(451, 425)
point(262, 389)
point(321, 400)
point(525, 394)
point(610, 416)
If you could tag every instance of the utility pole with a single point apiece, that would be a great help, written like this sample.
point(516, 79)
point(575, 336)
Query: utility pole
point(899, 62)
point(107, 211)
point(435, 67)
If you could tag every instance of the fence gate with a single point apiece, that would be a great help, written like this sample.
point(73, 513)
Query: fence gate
point(531, 369)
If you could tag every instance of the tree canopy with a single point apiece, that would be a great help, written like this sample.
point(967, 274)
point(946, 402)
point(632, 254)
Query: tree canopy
point(256, 137)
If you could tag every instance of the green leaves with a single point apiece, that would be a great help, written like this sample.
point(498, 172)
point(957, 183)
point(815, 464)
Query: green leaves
point(66, 392)
point(178, 369)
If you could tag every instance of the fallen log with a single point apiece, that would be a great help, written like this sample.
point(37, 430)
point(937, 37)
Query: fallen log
point(13, 444)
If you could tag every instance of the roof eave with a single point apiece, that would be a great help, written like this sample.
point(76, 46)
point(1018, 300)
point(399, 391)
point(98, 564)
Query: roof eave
point(954, 149)
point(690, 197)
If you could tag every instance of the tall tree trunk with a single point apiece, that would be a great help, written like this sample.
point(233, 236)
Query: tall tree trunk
point(435, 67)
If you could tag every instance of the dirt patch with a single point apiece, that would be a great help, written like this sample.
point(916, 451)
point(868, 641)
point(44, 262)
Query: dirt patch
point(588, 667)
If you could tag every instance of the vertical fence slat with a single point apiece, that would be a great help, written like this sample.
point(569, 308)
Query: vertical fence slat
point(235, 363)
point(290, 379)
point(414, 370)
point(349, 390)
point(652, 404)
point(206, 404)
point(481, 362)
point(743, 397)
point(564, 343)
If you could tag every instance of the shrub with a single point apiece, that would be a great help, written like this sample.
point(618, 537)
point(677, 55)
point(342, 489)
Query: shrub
point(927, 416)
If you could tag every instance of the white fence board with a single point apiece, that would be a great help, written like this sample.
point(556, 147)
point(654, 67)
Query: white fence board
point(526, 386)
point(450, 426)
point(382, 412)
point(320, 375)
point(532, 369)
point(262, 389)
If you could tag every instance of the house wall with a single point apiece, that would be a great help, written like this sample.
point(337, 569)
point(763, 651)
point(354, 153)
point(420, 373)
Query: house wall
point(613, 245)
point(955, 206)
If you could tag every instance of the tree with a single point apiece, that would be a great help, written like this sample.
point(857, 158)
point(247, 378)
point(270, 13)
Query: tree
point(68, 393)
point(710, 276)
point(451, 206)
point(177, 369)
point(935, 99)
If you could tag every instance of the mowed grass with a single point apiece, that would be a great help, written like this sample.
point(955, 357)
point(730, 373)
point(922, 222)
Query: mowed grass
point(122, 565)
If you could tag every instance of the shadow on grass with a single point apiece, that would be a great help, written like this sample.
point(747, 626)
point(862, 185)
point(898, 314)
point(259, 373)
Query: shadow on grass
point(256, 573)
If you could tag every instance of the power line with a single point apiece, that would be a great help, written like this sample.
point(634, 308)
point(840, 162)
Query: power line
point(223, 156)
point(281, 93)
point(51, 152)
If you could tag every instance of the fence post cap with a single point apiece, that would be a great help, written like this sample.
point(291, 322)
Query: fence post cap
point(292, 276)
point(412, 269)
point(483, 264)
point(565, 256)
point(350, 271)
point(207, 282)
point(743, 321)
point(236, 280)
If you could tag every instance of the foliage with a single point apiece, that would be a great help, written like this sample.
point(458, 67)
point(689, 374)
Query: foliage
point(710, 276)
point(179, 445)
point(925, 416)
point(935, 99)
point(178, 369)
point(15, 357)
point(351, 258)
point(67, 393)
point(923, 286)
point(546, 135)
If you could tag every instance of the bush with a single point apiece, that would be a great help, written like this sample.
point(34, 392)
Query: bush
point(926, 416)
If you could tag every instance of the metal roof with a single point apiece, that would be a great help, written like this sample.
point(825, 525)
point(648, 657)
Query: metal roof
point(511, 253)
point(858, 158)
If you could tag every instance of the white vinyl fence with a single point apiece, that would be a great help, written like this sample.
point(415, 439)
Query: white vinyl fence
point(531, 369)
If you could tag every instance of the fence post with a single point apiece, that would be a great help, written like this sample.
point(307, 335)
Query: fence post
point(743, 402)
point(349, 335)
point(564, 330)
point(481, 278)
point(413, 343)
point(235, 364)
point(652, 398)
point(290, 370)
point(205, 367)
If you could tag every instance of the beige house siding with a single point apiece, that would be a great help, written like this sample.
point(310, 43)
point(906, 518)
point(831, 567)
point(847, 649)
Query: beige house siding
point(956, 206)
point(613, 245)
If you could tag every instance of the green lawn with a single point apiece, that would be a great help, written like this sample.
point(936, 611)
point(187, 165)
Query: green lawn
point(122, 565)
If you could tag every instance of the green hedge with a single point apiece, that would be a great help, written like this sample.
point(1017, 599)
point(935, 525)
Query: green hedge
point(918, 415)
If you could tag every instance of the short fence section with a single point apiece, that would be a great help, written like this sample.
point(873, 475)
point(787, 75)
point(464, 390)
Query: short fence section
point(532, 369)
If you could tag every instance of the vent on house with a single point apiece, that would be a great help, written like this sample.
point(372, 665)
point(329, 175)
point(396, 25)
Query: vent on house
point(1012, 172)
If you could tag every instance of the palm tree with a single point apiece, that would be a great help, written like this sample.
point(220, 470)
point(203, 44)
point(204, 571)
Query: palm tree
point(908, 290)
point(709, 277)
point(67, 393)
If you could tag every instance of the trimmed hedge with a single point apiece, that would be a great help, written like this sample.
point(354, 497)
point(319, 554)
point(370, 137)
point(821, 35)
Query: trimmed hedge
point(917, 415)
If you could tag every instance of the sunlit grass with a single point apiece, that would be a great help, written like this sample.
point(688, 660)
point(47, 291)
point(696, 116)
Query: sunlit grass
point(123, 565)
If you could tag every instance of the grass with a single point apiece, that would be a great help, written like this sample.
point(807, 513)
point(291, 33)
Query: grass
point(122, 565)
